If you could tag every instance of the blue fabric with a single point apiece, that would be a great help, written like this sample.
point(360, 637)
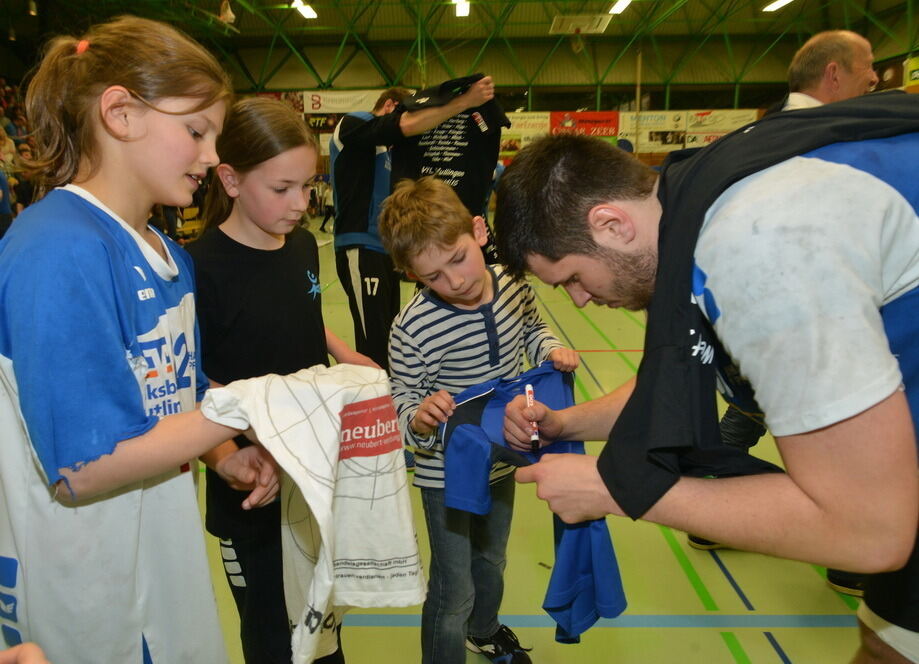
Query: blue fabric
point(585, 584)
point(588, 586)
point(82, 314)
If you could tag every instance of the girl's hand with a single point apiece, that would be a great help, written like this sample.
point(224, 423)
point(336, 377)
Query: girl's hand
point(565, 359)
point(434, 410)
point(251, 469)
point(353, 357)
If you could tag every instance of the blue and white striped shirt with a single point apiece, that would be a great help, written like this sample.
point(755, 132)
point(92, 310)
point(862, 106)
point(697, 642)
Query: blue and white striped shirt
point(437, 346)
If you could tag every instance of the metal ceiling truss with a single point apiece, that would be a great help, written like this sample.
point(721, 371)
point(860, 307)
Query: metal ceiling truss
point(402, 39)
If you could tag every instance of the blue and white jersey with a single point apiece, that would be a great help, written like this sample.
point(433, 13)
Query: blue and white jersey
point(809, 272)
point(97, 341)
point(100, 330)
point(361, 166)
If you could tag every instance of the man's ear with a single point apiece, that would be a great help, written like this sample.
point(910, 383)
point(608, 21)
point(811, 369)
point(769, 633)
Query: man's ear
point(119, 111)
point(610, 225)
point(831, 76)
point(229, 178)
point(479, 231)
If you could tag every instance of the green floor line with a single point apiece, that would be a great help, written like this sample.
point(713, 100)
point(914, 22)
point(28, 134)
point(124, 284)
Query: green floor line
point(733, 644)
point(848, 600)
point(691, 574)
point(609, 341)
point(632, 317)
point(582, 389)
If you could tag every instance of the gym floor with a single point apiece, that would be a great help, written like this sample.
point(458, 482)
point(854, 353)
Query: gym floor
point(684, 605)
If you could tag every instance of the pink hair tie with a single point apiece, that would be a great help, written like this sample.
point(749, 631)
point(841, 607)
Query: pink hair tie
point(82, 45)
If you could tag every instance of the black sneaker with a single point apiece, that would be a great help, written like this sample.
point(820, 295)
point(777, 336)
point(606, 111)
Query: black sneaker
point(502, 646)
point(847, 583)
point(701, 543)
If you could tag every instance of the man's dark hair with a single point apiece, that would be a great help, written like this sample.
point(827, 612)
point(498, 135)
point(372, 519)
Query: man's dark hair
point(396, 94)
point(545, 195)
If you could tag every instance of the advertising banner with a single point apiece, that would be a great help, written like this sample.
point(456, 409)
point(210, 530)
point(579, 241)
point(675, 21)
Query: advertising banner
point(600, 124)
point(654, 131)
point(525, 127)
point(339, 101)
point(704, 127)
point(911, 74)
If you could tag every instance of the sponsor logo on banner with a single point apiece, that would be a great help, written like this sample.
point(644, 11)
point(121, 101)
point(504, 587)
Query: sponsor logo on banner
point(369, 428)
point(339, 101)
point(603, 124)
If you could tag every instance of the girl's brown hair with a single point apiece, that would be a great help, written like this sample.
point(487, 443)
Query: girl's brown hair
point(152, 60)
point(256, 130)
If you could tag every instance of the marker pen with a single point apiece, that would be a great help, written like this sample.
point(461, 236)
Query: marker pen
point(534, 437)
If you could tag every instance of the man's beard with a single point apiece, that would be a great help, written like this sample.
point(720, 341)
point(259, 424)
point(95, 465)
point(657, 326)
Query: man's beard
point(633, 277)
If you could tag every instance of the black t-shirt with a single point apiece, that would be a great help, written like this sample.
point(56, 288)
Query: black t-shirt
point(259, 312)
point(462, 151)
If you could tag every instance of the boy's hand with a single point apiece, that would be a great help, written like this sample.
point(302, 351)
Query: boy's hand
point(518, 428)
point(435, 409)
point(565, 359)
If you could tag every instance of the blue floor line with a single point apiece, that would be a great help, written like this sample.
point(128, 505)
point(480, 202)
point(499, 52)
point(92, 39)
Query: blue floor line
point(703, 621)
point(731, 580)
point(778, 648)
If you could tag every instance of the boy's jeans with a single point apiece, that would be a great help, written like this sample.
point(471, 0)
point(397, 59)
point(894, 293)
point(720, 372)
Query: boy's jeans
point(466, 576)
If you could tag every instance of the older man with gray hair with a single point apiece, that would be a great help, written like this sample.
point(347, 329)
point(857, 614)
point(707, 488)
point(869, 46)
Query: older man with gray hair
point(831, 66)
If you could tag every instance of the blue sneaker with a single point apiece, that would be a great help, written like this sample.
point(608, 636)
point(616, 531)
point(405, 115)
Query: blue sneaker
point(502, 647)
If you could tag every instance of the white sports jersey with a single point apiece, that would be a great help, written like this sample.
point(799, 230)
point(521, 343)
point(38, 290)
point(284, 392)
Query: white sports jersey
point(98, 341)
point(346, 519)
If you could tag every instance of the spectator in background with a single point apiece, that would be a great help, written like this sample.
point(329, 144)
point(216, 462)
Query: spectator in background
point(831, 66)
point(18, 128)
point(24, 190)
point(360, 165)
point(7, 152)
point(6, 209)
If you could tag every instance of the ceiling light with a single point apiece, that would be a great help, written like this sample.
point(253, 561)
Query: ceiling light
point(462, 8)
point(12, 34)
point(305, 10)
point(33, 8)
point(778, 4)
point(620, 6)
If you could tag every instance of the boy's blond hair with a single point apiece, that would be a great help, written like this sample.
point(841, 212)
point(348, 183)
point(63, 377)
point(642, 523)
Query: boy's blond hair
point(420, 214)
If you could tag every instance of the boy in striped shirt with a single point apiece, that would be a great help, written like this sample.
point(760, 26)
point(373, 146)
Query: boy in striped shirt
point(470, 323)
